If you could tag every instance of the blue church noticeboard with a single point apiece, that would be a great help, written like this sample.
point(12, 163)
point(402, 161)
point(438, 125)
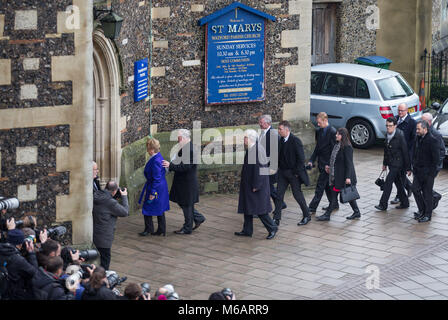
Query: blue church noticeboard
point(140, 80)
point(235, 55)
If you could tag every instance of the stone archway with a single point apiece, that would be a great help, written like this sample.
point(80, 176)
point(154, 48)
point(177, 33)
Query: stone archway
point(106, 133)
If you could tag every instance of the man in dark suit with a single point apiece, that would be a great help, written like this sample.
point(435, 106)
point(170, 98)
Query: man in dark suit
point(254, 188)
point(325, 141)
point(396, 157)
point(96, 180)
point(291, 171)
point(269, 139)
point(428, 118)
point(425, 164)
point(185, 188)
point(407, 125)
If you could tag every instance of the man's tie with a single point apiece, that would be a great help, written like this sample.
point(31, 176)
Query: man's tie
point(400, 120)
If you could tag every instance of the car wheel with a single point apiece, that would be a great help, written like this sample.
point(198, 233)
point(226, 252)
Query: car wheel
point(361, 133)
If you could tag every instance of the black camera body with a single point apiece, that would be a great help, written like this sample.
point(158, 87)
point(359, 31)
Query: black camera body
point(114, 280)
point(227, 292)
point(118, 194)
point(309, 167)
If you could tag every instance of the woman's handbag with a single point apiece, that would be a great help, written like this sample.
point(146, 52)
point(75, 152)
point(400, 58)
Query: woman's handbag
point(349, 193)
point(381, 179)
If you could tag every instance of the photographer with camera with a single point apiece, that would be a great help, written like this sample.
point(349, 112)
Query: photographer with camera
point(133, 291)
point(48, 283)
point(106, 209)
point(17, 271)
point(98, 287)
point(224, 294)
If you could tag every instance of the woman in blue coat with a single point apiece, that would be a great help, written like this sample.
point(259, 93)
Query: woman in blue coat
point(155, 192)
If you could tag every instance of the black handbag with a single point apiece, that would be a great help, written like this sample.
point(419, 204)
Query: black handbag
point(349, 193)
point(381, 180)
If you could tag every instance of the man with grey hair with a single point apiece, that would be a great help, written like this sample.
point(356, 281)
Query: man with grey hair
point(429, 118)
point(269, 139)
point(425, 164)
point(185, 187)
point(254, 187)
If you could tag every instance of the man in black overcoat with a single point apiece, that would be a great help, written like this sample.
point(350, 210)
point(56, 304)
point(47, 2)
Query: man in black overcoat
point(325, 141)
point(185, 188)
point(291, 171)
point(425, 164)
point(270, 139)
point(408, 126)
point(254, 188)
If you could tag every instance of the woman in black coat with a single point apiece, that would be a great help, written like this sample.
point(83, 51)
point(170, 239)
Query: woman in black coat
point(341, 173)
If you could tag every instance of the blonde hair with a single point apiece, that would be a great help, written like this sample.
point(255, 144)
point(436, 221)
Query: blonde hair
point(153, 144)
point(322, 115)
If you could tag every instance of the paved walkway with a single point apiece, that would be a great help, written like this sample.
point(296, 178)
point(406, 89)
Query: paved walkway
point(322, 260)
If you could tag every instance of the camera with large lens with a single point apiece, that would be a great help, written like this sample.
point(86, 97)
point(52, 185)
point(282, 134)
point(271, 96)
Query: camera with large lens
point(52, 232)
point(114, 279)
point(227, 293)
point(146, 289)
point(7, 204)
point(87, 255)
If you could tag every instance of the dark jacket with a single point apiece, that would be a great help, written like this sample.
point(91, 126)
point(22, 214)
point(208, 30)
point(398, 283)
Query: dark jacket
point(96, 184)
point(439, 138)
point(185, 188)
point(20, 272)
point(105, 212)
point(324, 146)
point(408, 126)
point(48, 286)
point(254, 175)
point(103, 293)
point(291, 156)
point(396, 152)
point(344, 168)
point(426, 156)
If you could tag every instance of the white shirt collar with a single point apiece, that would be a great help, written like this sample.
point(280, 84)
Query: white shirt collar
point(287, 137)
point(404, 118)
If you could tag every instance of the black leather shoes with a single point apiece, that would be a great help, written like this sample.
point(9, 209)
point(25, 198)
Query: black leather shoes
point(418, 215)
point(158, 233)
point(326, 208)
point(284, 206)
point(324, 217)
point(355, 215)
point(197, 225)
point(380, 208)
point(435, 201)
point(401, 207)
point(242, 234)
point(304, 221)
point(277, 221)
point(395, 201)
point(271, 235)
point(143, 234)
point(181, 231)
point(424, 219)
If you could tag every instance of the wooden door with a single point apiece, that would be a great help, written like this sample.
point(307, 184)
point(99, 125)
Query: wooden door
point(324, 33)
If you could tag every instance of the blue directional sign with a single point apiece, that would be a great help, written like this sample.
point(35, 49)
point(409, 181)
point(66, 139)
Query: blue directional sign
point(235, 55)
point(140, 79)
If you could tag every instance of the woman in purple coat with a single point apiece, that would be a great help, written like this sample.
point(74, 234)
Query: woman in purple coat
point(155, 192)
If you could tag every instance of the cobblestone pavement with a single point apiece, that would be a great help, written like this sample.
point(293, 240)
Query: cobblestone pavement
point(322, 260)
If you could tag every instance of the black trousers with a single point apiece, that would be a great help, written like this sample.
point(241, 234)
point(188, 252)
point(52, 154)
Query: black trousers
point(422, 190)
point(406, 182)
point(395, 175)
point(105, 257)
point(272, 188)
point(248, 226)
point(321, 187)
point(161, 223)
point(286, 178)
point(334, 202)
point(190, 215)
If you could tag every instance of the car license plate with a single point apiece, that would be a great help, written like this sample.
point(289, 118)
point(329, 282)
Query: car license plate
point(411, 110)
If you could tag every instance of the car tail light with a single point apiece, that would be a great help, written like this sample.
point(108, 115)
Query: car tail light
point(386, 112)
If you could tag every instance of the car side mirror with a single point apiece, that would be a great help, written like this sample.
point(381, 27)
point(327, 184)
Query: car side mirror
point(435, 105)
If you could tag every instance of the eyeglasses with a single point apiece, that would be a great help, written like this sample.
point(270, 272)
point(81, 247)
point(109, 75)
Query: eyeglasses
point(402, 110)
point(390, 125)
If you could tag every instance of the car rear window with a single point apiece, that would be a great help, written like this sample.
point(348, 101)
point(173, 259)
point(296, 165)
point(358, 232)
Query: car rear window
point(393, 88)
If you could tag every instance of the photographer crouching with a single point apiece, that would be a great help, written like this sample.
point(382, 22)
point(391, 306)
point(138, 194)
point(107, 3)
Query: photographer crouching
point(106, 209)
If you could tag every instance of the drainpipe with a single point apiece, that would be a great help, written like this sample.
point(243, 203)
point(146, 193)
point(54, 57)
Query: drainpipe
point(150, 66)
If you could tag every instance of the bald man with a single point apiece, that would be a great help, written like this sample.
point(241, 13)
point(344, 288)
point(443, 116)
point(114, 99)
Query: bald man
point(96, 181)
